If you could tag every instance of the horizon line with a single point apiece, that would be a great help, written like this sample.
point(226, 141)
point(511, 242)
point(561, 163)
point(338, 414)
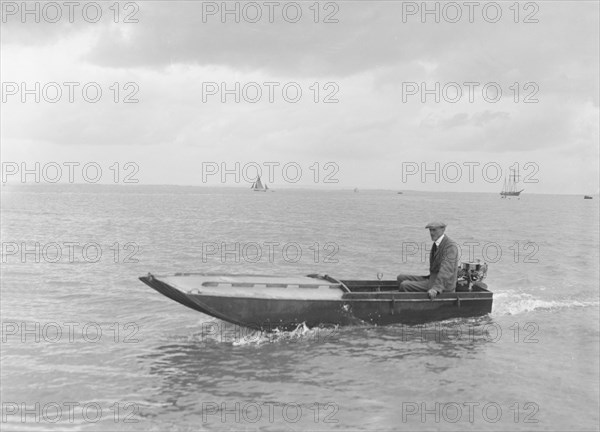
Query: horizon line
point(300, 187)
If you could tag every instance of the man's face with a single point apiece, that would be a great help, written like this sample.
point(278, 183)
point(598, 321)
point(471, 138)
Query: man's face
point(436, 233)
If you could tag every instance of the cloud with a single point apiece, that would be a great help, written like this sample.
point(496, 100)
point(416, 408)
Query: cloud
point(368, 56)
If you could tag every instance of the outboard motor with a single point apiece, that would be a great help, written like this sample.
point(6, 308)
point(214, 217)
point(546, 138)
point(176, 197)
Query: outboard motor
point(471, 274)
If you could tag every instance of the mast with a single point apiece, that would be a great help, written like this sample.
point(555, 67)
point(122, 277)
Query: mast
point(514, 183)
point(511, 182)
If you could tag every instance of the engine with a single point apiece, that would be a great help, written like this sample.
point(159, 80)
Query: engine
point(470, 273)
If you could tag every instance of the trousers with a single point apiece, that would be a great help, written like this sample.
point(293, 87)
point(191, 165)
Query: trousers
point(412, 283)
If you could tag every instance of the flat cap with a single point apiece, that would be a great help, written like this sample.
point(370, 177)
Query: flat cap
point(431, 225)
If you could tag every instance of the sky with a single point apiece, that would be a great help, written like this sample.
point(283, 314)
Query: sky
point(436, 96)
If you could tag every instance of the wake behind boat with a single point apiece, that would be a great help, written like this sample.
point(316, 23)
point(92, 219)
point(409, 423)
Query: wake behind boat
point(267, 302)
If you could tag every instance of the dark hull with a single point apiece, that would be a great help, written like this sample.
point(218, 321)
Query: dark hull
point(368, 302)
point(514, 193)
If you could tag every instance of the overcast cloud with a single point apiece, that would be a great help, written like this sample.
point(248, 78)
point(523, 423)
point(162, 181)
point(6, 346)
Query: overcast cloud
point(370, 57)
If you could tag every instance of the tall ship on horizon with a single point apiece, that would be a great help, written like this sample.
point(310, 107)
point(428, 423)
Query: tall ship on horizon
point(510, 187)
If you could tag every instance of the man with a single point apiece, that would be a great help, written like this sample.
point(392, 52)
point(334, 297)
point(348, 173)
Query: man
point(443, 265)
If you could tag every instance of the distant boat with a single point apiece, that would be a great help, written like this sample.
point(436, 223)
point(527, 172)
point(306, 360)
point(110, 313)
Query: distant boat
point(258, 186)
point(587, 197)
point(510, 185)
point(355, 190)
point(400, 193)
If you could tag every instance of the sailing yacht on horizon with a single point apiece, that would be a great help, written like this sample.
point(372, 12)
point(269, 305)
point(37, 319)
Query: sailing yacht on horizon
point(258, 186)
point(510, 185)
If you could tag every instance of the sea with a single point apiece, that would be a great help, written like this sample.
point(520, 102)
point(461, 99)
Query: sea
point(86, 346)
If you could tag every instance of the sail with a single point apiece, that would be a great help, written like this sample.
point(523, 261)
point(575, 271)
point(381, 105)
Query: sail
point(258, 185)
point(510, 185)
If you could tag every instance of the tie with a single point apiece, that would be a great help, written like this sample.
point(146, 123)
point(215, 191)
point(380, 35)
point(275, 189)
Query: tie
point(433, 250)
point(432, 256)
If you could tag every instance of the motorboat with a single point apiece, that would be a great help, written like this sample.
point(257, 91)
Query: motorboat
point(267, 302)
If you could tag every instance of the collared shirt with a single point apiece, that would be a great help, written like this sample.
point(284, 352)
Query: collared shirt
point(438, 241)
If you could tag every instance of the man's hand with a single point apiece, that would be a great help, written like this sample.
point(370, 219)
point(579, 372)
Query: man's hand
point(432, 293)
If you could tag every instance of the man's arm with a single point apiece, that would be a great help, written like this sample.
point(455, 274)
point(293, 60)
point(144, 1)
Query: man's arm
point(448, 266)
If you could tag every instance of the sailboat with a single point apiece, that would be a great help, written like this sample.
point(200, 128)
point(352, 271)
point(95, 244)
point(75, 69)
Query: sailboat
point(258, 186)
point(510, 186)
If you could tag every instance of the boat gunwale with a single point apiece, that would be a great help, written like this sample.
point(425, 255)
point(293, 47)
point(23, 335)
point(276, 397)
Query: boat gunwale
point(346, 299)
point(266, 285)
point(352, 296)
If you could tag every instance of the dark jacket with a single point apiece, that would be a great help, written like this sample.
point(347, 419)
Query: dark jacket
point(443, 266)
